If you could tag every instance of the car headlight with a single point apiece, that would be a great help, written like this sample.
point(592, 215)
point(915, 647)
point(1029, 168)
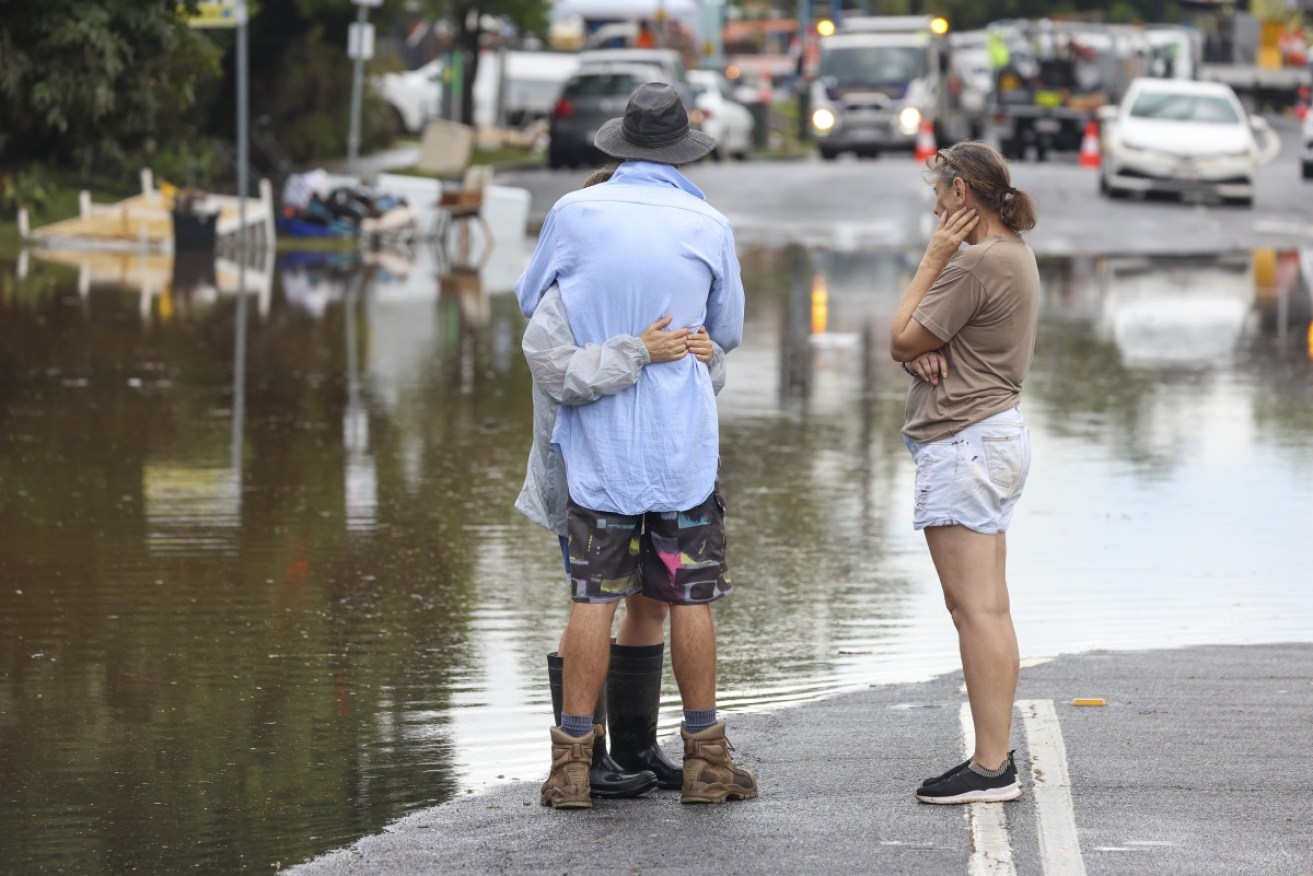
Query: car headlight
point(909, 120)
point(822, 119)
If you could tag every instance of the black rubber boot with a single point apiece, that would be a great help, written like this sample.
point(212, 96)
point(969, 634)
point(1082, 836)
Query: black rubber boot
point(633, 691)
point(606, 778)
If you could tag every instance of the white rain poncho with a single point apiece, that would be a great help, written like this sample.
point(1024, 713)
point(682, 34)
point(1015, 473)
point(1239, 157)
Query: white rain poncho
point(565, 374)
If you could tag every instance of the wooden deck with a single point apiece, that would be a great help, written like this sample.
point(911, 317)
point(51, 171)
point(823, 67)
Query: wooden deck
point(145, 222)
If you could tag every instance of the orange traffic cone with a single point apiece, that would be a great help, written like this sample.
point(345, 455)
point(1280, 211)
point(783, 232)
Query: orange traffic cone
point(1089, 145)
point(1301, 105)
point(925, 141)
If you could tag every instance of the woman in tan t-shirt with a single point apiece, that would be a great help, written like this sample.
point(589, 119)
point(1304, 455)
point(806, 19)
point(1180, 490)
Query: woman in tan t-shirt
point(965, 329)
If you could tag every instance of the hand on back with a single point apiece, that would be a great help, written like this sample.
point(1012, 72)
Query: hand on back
point(663, 345)
point(670, 345)
point(699, 344)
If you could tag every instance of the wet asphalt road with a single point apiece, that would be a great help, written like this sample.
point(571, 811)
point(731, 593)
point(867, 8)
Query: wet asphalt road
point(1194, 766)
point(850, 203)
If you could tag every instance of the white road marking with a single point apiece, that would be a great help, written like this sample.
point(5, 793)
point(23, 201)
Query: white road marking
point(1059, 847)
point(1278, 226)
point(991, 852)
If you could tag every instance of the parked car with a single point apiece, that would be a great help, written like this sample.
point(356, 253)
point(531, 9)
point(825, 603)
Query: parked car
point(668, 66)
point(594, 94)
point(728, 121)
point(1178, 136)
point(1306, 153)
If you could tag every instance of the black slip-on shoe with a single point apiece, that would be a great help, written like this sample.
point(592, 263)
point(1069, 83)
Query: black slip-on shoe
point(939, 778)
point(968, 786)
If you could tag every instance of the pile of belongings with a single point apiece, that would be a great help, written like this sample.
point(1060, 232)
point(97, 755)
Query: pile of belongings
point(312, 207)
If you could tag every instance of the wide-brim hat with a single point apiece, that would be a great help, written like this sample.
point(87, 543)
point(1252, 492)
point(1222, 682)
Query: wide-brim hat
point(654, 128)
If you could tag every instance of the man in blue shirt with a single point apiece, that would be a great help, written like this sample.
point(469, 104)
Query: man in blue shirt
point(645, 516)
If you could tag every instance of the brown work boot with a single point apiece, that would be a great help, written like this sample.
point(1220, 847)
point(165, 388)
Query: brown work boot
point(709, 773)
point(567, 784)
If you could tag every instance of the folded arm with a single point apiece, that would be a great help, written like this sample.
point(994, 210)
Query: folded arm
point(908, 339)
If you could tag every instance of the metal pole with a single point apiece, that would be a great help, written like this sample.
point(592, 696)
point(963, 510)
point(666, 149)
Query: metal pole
point(500, 116)
point(357, 84)
point(458, 84)
point(803, 83)
point(243, 163)
point(713, 22)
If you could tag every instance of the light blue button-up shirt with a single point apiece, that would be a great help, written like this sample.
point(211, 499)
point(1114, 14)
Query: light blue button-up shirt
point(625, 253)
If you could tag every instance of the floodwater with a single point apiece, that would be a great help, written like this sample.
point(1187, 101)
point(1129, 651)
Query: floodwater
point(263, 591)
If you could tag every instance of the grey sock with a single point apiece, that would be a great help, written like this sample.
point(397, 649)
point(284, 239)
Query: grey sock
point(989, 774)
point(576, 725)
point(697, 720)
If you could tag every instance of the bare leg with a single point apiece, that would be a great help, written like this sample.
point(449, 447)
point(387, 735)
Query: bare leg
point(644, 622)
point(586, 650)
point(693, 655)
point(971, 569)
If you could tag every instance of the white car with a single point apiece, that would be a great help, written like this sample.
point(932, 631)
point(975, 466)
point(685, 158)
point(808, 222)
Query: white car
point(1179, 136)
point(532, 83)
point(1306, 146)
point(728, 121)
point(669, 60)
point(415, 95)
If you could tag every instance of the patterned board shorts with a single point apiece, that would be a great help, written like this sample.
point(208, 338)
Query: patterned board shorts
point(672, 556)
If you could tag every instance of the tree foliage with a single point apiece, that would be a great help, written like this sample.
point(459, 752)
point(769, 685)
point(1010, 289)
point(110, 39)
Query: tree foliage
point(300, 77)
point(87, 83)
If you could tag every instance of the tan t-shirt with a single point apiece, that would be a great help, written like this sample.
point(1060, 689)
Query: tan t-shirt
point(985, 306)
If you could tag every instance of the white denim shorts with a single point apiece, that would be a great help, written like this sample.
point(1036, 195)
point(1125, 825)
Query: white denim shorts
point(973, 478)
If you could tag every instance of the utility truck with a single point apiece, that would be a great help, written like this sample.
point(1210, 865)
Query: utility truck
point(1053, 76)
point(879, 79)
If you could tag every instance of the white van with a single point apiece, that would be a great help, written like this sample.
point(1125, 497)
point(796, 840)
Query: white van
point(529, 90)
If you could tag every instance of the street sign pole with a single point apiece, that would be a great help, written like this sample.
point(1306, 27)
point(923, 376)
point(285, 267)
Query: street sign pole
point(360, 46)
point(243, 144)
point(357, 83)
point(243, 170)
point(233, 14)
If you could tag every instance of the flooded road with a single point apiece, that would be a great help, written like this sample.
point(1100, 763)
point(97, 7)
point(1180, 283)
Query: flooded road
point(263, 591)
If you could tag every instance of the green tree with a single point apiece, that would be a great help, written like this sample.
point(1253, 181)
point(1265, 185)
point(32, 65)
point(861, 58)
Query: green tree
point(90, 83)
point(300, 77)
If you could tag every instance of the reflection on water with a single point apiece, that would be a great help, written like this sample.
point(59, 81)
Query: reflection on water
point(264, 590)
